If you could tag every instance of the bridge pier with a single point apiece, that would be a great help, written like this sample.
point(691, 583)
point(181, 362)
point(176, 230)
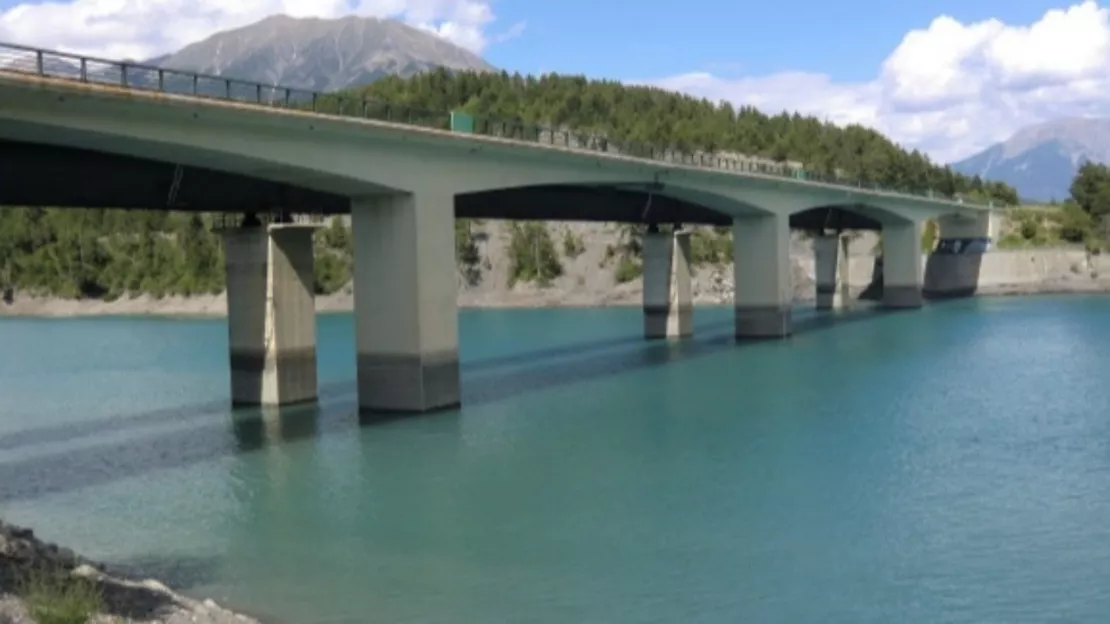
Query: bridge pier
point(271, 313)
point(830, 257)
point(406, 320)
point(952, 268)
point(668, 296)
point(761, 256)
point(902, 265)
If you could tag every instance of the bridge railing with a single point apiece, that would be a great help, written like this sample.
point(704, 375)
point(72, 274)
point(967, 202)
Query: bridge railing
point(129, 75)
point(232, 220)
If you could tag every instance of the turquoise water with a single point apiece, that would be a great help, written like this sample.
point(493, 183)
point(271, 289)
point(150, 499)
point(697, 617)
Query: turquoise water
point(950, 464)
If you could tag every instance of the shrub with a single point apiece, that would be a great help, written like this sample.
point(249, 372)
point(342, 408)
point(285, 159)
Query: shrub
point(628, 269)
point(532, 254)
point(56, 597)
point(572, 245)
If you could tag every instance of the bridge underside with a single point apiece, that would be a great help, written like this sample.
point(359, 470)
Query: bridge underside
point(45, 175)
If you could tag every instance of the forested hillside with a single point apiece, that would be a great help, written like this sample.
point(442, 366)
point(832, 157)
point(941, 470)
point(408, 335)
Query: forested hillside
point(109, 253)
point(663, 118)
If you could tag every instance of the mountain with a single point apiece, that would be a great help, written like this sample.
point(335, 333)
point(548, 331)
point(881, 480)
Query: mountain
point(1040, 161)
point(321, 54)
point(310, 54)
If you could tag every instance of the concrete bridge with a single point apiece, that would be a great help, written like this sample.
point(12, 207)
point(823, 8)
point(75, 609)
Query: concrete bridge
point(94, 133)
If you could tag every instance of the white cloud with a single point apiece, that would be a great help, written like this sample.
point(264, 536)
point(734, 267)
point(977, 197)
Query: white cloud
point(951, 89)
point(140, 29)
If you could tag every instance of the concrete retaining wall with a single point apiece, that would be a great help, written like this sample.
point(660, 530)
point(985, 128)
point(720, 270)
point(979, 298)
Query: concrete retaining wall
point(1015, 270)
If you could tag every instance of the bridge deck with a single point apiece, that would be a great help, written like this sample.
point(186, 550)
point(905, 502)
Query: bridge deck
point(26, 64)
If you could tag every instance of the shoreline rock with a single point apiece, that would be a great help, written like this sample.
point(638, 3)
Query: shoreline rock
point(123, 600)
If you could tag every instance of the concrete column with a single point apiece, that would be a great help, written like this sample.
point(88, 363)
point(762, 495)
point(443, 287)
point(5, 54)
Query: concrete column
point(902, 265)
point(830, 256)
point(271, 314)
point(761, 253)
point(405, 302)
point(668, 296)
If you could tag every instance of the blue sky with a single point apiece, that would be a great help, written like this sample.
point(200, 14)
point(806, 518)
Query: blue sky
point(846, 39)
point(947, 77)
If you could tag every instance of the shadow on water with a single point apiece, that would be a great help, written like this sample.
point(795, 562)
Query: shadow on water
point(68, 432)
point(253, 429)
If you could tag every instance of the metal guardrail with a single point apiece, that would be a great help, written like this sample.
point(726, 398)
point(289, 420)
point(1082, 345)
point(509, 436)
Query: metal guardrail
point(48, 63)
point(228, 221)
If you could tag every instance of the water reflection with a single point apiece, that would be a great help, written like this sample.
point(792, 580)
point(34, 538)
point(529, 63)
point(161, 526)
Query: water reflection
point(255, 428)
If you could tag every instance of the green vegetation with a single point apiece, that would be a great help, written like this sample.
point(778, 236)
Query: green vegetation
point(929, 236)
point(1076, 221)
point(628, 269)
point(468, 258)
point(108, 253)
point(57, 597)
point(647, 115)
point(572, 244)
point(711, 245)
point(628, 252)
point(1091, 189)
point(334, 252)
point(532, 254)
point(708, 245)
point(96, 253)
point(1079, 220)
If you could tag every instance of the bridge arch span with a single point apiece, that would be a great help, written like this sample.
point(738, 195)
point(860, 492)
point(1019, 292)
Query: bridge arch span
point(849, 216)
point(623, 201)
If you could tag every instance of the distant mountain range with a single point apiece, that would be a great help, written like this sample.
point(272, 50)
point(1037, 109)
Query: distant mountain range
point(1040, 161)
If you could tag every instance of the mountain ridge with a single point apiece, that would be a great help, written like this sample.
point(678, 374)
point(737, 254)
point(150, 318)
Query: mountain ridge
point(1041, 160)
point(320, 54)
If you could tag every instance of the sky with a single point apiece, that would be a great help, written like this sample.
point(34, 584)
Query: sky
point(947, 77)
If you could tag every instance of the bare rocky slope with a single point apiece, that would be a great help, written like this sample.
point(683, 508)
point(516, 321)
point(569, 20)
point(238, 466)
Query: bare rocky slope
point(321, 54)
point(588, 279)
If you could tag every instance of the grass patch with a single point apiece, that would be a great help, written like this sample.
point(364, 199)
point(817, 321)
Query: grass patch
point(53, 596)
point(627, 270)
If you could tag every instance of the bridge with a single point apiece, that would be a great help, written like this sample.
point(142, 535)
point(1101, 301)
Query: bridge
point(85, 132)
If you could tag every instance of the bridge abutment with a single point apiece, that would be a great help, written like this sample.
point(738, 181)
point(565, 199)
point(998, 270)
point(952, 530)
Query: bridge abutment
point(406, 320)
point(902, 265)
point(761, 256)
point(831, 270)
point(668, 295)
point(271, 314)
point(952, 268)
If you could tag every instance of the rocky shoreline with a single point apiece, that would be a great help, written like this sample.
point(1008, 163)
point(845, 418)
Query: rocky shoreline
point(22, 555)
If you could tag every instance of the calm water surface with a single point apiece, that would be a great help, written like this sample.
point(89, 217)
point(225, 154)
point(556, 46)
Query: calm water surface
point(946, 465)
